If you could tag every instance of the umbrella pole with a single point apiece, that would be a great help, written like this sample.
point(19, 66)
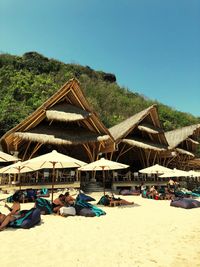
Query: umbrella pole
point(103, 182)
point(53, 176)
point(19, 180)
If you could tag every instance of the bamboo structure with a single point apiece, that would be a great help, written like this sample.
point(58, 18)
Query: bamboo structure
point(184, 143)
point(65, 122)
point(140, 140)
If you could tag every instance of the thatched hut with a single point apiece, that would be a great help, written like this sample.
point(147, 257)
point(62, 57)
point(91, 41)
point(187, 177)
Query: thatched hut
point(65, 122)
point(184, 143)
point(140, 140)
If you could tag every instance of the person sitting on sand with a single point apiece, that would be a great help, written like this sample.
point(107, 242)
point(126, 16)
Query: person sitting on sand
point(58, 203)
point(14, 212)
point(69, 200)
point(171, 184)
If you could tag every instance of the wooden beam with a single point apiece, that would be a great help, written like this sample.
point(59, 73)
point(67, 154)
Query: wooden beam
point(26, 150)
point(38, 145)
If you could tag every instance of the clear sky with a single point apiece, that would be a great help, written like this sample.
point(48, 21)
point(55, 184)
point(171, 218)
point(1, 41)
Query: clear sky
point(152, 46)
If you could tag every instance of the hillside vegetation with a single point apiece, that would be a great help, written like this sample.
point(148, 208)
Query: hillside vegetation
point(27, 81)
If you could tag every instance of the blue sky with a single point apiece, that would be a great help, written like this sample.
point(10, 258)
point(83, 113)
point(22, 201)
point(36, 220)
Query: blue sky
point(152, 46)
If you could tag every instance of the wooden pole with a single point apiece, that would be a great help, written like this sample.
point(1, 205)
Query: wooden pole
point(53, 178)
point(103, 181)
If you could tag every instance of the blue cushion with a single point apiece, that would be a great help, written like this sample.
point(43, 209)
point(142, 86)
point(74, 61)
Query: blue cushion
point(84, 197)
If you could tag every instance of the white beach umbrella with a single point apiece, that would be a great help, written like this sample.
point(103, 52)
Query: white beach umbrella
point(17, 168)
point(155, 169)
point(102, 165)
point(53, 160)
point(4, 157)
point(175, 173)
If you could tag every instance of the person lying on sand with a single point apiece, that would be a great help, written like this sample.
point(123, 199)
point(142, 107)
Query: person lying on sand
point(112, 201)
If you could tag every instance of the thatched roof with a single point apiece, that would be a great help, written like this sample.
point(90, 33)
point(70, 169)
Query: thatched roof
point(122, 129)
point(66, 112)
point(185, 152)
point(150, 128)
point(67, 105)
point(148, 124)
point(176, 137)
point(194, 163)
point(144, 144)
point(54, 135)
point(194, 142)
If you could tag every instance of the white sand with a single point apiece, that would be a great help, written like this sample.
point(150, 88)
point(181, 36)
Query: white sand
point(150, 233)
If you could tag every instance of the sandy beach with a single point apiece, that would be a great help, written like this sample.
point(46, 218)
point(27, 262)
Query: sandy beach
point(149, 233)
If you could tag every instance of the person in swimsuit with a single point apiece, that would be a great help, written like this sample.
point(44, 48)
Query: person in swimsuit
point(14, 212)
point(112, 201)
point(69, 200)
point(58, 203)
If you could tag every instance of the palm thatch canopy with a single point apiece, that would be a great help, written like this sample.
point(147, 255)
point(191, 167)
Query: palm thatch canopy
point(184, 142)
point(194, 164)
point(66, 112)
point(144, 144)
point(53, 135)
point(141, 138)
point(189, 133)
point(185, 152)
point(147, 119)
point(145, 125)
point(65, 119)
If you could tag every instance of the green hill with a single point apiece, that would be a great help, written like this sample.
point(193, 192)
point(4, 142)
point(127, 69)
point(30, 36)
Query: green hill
point(27, 81)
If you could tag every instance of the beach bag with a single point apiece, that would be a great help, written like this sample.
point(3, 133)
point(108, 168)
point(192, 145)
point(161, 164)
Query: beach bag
point(67, 211)
point(28, 219)
point(43, 205)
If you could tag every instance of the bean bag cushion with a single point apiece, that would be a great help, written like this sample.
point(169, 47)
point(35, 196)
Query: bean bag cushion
point(85, 198)
point(185, 203)
point(80, 204)
point(28, 219)
point(87, 212)
point(44, 206)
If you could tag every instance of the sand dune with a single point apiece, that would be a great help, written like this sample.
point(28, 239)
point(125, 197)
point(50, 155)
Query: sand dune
point(150, 233)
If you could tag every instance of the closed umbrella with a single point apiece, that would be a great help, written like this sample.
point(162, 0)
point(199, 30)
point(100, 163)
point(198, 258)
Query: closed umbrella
point(53, 160)
point(102, 165)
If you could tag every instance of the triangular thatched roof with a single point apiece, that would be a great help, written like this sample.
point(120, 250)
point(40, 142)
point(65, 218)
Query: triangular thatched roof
point(188, 133)
point(147, 122)
point(65, 118)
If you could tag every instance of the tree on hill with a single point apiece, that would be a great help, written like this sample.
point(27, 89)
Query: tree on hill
point(27, 81)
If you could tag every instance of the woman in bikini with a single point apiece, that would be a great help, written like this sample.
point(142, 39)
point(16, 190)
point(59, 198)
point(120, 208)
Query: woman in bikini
point(58, 203)
point(14, 212)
